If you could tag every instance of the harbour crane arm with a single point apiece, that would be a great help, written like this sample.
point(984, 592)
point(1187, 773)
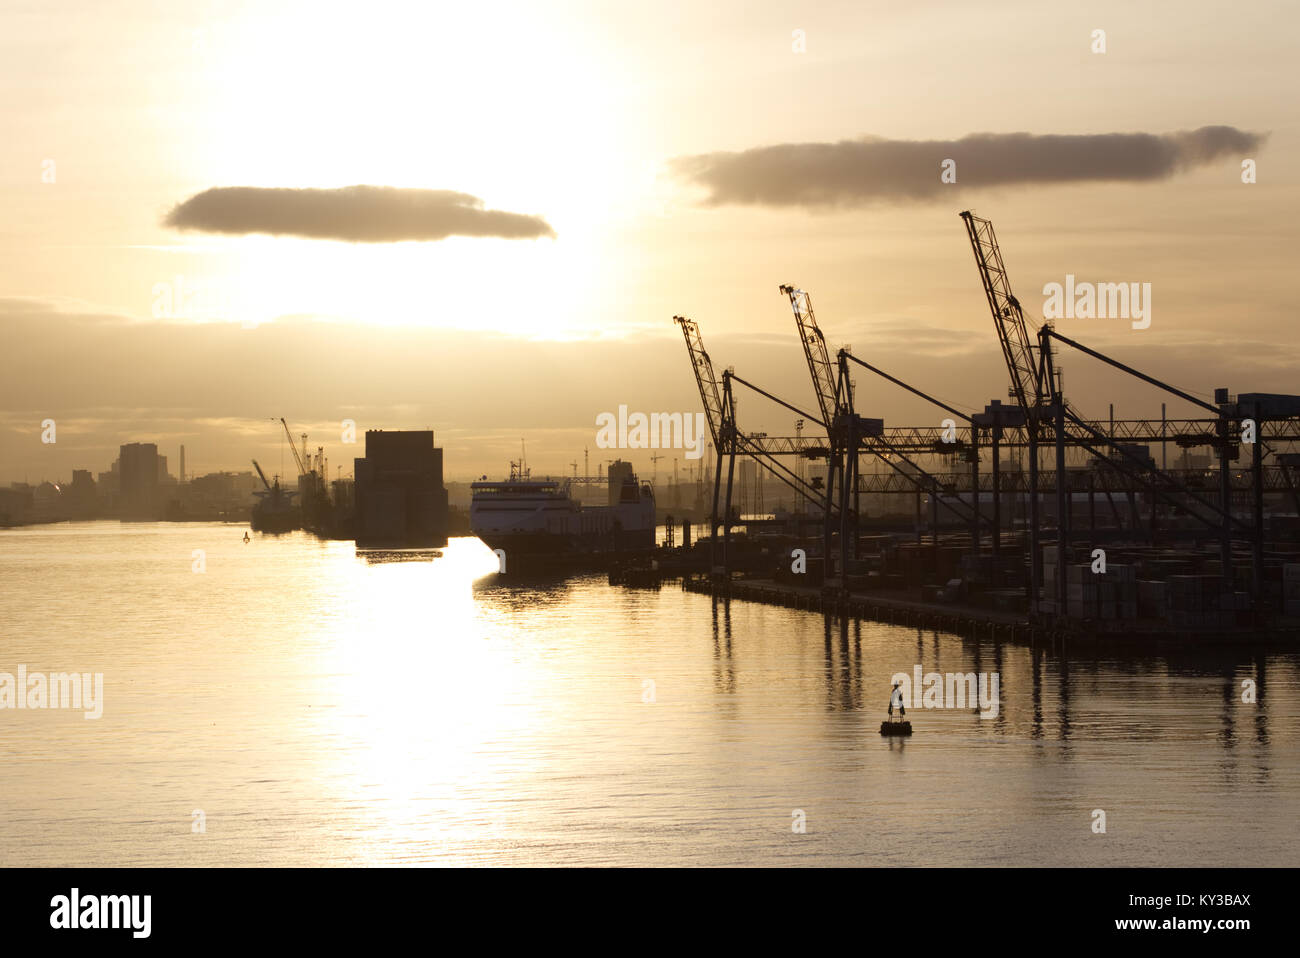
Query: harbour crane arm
point(297, 456)
point(710, 395)
point(814, 348)
point(261, 475)
point(1023, 363)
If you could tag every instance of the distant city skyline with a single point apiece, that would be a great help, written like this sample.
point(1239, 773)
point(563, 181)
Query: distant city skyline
point(269, 454)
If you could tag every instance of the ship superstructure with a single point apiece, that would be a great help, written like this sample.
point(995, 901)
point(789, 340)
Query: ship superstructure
point(537, 517)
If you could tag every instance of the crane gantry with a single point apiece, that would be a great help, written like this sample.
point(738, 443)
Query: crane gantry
point(826, 384)
point(720, 412)
point(1024, 364)
point(1105, 457)
point(833, 400)
point(710, 393)
point(298, 457)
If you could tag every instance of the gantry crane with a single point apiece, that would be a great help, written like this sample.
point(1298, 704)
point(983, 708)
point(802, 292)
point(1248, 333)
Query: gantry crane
point(819, 361)
point(719, 411)
point(828, 401)
point(1024, 366)
point(1018, 349)
point(763, 448)
point(710, 394)
point(298, 457)
point(849, 434)
point(711, 397)
point(1035, 385)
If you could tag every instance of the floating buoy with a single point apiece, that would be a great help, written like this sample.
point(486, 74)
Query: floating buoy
point(895, 728)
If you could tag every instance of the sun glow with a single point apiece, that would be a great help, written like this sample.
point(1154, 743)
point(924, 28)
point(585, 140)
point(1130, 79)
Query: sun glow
point(415, 686)
point(526, 130)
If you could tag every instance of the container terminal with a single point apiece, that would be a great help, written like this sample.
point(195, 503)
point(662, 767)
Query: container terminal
point(1084, 533)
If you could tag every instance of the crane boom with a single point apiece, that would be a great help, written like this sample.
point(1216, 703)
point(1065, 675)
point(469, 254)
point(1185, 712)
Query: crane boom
point(704, 377)
point(1021, 355)
point(297, 456)
point(261, 475)
point(814, 348)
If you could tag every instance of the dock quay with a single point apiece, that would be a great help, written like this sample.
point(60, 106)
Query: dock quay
point(898, 610)
point(979, 622)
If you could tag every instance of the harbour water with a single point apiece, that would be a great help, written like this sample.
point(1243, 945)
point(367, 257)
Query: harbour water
point(305, 705)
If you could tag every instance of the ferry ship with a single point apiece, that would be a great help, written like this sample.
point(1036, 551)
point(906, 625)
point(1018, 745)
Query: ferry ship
point(536, 519)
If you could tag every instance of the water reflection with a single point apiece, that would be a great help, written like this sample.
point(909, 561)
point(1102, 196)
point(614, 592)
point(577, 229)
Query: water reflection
point(1063, 692)
point(377, 556)
point(724, 675)
point(422, 709)
point(1261, 713)
point(1036, 690)
point(842, 663)
point(518, 592)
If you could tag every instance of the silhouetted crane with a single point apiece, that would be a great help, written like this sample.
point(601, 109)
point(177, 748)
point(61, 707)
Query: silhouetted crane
point(298, 457)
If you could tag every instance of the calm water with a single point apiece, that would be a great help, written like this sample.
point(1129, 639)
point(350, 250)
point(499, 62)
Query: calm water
point(320, 708)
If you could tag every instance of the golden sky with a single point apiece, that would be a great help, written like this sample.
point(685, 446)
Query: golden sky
point(579, 115)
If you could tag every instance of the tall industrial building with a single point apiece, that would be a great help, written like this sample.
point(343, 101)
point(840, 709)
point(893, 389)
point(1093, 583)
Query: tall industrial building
point(619, 472)
point(80, 496)
point(400, 496)
point(139, 473)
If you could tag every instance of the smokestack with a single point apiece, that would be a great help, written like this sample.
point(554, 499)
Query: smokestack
point(182, 477)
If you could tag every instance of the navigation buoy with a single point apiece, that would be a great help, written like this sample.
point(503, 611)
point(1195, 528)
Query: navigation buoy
point(896, 701)
point(246, 539)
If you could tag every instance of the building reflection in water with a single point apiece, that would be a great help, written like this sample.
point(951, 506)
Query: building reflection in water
point(724, 672)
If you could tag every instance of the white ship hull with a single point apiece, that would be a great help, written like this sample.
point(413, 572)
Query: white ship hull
point(541, 517)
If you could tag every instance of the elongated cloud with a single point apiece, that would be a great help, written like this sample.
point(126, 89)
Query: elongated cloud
point(875, 170)
point(356, 214)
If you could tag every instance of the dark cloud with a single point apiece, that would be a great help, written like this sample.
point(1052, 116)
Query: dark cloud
point(875, 170)
point(356, 214)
